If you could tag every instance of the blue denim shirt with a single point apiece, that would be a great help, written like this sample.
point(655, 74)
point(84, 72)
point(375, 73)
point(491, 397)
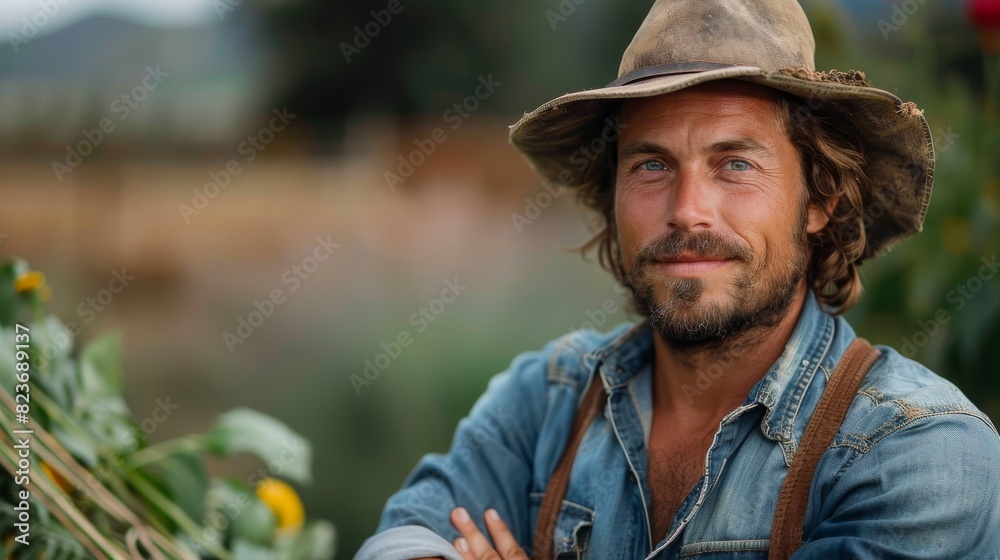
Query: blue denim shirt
point(914, 471)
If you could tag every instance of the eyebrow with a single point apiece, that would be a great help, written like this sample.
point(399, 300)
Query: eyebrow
point(741, 144)
point(641, 148)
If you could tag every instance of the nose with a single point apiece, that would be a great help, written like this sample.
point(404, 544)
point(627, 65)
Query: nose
point(690, 205)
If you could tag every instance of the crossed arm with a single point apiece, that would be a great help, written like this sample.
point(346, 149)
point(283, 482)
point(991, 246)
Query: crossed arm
point(473, 545)
point(489, 467)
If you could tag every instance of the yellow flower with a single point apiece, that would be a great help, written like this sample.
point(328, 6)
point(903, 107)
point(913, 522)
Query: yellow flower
point(8, 542)
point(54, 476)
point(29, 281)
point(284, 502)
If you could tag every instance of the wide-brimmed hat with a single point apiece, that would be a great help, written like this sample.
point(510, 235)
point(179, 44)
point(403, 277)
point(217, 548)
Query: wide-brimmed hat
point(682, 43)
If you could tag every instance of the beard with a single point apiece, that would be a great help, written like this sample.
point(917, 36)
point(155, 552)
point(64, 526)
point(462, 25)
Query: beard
point(758, 295)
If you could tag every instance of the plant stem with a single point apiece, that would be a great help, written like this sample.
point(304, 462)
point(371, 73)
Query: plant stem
point(168, 507)
point(59, 416)
point(159, 451)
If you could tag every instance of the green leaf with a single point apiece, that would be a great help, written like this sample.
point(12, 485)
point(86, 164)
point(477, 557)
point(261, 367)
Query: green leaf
point(59, 543)
point(286, 453)
point(255, 523)
point(106, 419)
point(149, 490)
point(8, 295)
point(99, 404)
point(30, 552)
point(51, 344)
point(246, 518)
point(242, 550)
point(100, 365)
point(60, 383)
point(186, 481)
point(316, 541)
point(79, 447)
point(7, 359)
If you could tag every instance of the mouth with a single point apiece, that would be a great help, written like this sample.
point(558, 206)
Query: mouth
point(690, 265)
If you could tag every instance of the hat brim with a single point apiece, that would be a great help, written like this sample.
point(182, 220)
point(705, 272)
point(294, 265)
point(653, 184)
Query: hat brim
point(559, 138)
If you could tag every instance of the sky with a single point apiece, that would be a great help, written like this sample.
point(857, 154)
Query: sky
point(65, 12)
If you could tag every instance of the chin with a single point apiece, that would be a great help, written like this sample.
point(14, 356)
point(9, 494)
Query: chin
point(691, 294)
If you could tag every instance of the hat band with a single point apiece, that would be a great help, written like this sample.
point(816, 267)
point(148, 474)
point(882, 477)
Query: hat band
point(667, 70)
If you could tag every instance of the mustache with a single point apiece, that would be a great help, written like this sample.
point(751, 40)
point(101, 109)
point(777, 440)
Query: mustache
point(702, 244)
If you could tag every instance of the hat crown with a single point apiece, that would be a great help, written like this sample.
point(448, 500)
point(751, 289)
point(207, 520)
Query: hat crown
point(768, 34)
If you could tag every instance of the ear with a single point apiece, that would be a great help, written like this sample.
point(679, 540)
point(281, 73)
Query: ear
point(819, 217)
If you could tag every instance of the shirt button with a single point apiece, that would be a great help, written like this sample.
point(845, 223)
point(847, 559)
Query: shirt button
point(631, 477)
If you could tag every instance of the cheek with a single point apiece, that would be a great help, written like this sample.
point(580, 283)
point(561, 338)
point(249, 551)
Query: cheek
point(757, 224)
point(638, 221)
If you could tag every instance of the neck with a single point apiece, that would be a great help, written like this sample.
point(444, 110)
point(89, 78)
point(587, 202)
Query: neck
point(698, 387)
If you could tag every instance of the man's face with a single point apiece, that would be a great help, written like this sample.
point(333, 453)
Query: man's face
point(711, 211)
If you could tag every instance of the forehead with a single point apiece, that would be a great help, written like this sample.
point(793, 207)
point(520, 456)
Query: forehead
point(720, 102)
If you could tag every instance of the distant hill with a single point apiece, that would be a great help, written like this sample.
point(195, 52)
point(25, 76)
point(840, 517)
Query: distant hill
point(59, 83)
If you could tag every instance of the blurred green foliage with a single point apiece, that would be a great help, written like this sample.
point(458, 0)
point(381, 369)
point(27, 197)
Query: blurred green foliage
point(84, 476)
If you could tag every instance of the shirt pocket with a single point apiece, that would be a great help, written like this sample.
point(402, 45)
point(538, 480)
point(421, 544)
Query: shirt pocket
point(572, 527)
point(744, 549)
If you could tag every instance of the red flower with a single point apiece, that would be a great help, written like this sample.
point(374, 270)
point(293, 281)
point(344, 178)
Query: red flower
point(985, 13)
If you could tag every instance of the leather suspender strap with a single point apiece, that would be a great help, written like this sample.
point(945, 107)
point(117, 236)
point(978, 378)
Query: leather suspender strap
point(790, 512)
point(555, 492)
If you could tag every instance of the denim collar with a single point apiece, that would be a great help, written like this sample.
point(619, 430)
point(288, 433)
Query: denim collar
point(780, 391)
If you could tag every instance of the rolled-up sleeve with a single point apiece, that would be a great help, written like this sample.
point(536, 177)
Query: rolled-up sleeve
point(406, 543)
point(489, 465)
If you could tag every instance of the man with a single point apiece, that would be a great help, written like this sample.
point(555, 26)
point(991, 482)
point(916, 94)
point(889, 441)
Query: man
point(740, 190)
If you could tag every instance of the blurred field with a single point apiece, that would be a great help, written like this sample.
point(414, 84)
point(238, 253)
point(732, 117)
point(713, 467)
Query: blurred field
point(194, 281)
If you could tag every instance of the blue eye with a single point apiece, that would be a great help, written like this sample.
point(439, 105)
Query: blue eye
point(738, 165)
point(652, 165)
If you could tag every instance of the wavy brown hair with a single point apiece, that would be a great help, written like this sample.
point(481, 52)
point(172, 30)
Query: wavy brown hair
point(831, 153)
